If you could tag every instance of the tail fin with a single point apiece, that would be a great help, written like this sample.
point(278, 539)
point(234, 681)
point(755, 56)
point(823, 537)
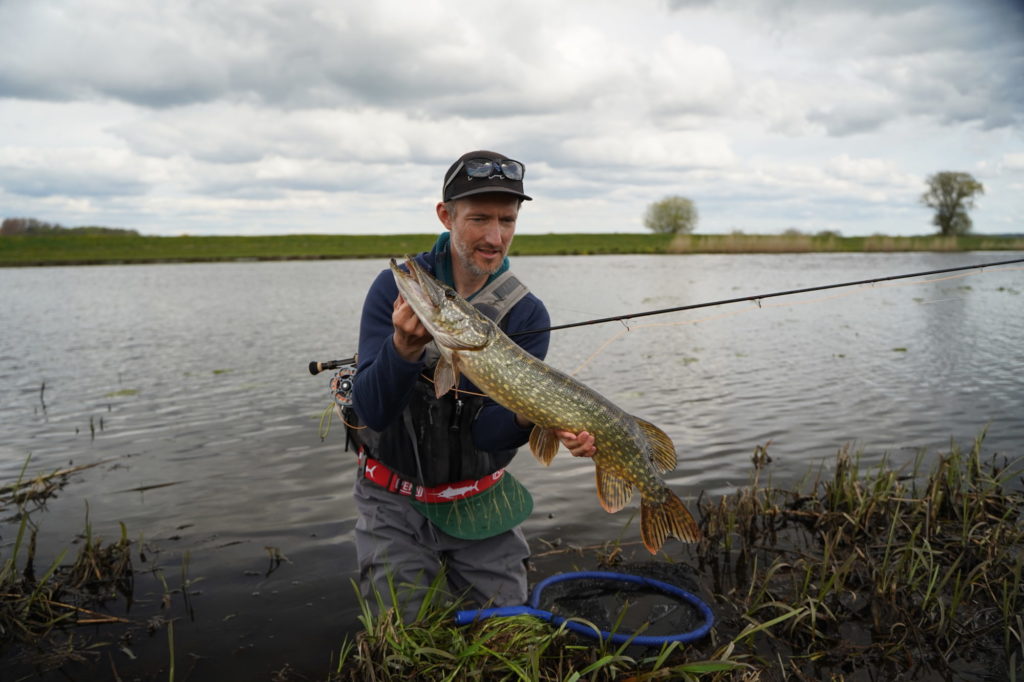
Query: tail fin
point(658, 520)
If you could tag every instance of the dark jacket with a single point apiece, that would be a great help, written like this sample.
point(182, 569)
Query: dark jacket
point(485, 434)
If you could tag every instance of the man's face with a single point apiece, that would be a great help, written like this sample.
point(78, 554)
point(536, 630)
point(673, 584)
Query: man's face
point(482, 230)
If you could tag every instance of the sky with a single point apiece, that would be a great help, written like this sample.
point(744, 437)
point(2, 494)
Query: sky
point(219, 117)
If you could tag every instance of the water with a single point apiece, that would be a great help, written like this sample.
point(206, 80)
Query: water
point(191, 380)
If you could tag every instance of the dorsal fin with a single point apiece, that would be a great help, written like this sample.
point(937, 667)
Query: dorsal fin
point(663, 452)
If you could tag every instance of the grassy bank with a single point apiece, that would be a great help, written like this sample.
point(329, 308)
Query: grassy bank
point(892, 573)
point(805, 243)
point(886, 574)
point(89, 249)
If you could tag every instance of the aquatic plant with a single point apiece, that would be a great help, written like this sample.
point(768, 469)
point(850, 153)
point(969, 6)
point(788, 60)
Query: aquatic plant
point(891, 573)
point(887, 569)
point(37, 609)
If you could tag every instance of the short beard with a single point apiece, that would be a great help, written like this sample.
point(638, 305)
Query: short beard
point(462, 251)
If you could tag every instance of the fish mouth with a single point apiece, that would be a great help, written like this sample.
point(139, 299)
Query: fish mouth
point(423, 288)
point(428, 299)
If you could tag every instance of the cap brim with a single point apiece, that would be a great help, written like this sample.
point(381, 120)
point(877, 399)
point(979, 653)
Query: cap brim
point(501, 507)
point(492, 189)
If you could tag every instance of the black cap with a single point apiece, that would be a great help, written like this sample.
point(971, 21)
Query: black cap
point(459, 184)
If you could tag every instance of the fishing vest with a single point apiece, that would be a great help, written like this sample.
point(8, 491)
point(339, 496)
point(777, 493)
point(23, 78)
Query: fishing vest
point(431, 443)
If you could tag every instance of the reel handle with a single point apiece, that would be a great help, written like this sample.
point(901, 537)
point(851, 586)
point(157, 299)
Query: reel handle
point(317, 367)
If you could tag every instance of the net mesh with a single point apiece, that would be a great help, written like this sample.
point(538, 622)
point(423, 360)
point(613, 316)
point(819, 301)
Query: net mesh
point(617, 606)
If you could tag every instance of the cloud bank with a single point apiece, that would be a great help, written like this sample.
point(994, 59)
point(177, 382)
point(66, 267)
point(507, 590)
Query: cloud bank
point(305, 116)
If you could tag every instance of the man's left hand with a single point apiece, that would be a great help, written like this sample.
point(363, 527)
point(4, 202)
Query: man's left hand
point(579, 444)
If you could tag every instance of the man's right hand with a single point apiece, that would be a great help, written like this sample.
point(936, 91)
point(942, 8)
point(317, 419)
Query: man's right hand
point(410, 335)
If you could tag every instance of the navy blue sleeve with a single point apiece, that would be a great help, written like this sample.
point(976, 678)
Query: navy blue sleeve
point(384, 380)
point(496, 428)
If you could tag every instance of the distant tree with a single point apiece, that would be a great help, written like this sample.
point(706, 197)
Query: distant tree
point(951, 195)
point(31, 226)
point(12, 226)
point(671, 215)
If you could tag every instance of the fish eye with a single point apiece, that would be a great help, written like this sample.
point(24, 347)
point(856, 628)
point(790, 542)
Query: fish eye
point(449, 294)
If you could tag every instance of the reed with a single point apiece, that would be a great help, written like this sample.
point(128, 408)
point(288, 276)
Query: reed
point(429, 646)
point(927, 569)
point(738, 242)
point(36, 610)
point(880, 573)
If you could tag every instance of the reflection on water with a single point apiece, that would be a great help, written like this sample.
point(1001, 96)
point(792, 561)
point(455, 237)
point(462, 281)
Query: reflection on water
point(195, 375)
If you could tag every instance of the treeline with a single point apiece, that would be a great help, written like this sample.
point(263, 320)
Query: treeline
point(31, 226)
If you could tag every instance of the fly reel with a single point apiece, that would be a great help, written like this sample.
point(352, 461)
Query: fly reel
point(341, 386)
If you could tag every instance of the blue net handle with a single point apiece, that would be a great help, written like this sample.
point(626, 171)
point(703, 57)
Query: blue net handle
point(533, 609)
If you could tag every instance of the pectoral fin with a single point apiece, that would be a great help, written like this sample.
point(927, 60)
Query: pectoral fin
point(663, 451)
point(613, 491)
point(544, 444)
point(446, 376)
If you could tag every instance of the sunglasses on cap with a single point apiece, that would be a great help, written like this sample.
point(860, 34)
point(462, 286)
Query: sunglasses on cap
point(486, 168)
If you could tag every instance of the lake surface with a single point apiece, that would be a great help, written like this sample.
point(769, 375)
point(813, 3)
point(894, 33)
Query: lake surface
point(191, 379)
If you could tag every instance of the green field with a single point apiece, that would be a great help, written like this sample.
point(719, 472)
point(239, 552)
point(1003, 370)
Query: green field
point(85, 249)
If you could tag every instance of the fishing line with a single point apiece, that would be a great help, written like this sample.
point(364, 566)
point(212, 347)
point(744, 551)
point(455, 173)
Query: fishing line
point(888, 281)
point(757, 298)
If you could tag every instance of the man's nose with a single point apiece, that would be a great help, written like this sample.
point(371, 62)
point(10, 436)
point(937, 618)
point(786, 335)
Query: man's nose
point(492, 232)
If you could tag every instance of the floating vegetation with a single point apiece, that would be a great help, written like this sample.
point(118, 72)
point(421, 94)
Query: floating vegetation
point(124, 392)
point(28, 494)
point(901, 576)
point(867, 575)
point(37, 610)
point(39, 605)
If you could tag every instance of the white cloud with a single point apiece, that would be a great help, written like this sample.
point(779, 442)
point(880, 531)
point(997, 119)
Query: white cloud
point(650, 149)
point(286, 116)
point(1013, 162)
point(75, 172)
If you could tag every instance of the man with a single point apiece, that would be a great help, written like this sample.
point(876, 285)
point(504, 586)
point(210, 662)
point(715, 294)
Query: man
point(432, 492)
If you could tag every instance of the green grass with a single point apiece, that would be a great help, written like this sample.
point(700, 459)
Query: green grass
point(889, 573)
point(791, 242)
point(87, 249)
point(871, 574)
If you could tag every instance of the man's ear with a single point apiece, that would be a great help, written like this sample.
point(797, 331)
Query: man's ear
point(446, 218)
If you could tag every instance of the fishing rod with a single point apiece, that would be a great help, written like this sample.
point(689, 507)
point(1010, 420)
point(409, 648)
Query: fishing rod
point(759, 297)
point(317, 367)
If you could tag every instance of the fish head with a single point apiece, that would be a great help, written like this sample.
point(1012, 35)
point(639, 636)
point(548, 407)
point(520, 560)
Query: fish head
point(453, 322)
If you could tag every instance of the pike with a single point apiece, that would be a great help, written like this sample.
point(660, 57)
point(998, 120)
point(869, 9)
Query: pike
point(631, 453)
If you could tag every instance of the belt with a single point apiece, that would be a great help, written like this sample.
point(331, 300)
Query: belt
point(377, 472)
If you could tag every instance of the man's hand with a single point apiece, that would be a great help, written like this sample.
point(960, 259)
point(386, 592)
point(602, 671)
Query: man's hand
point(579, 444)
point(410, 335)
